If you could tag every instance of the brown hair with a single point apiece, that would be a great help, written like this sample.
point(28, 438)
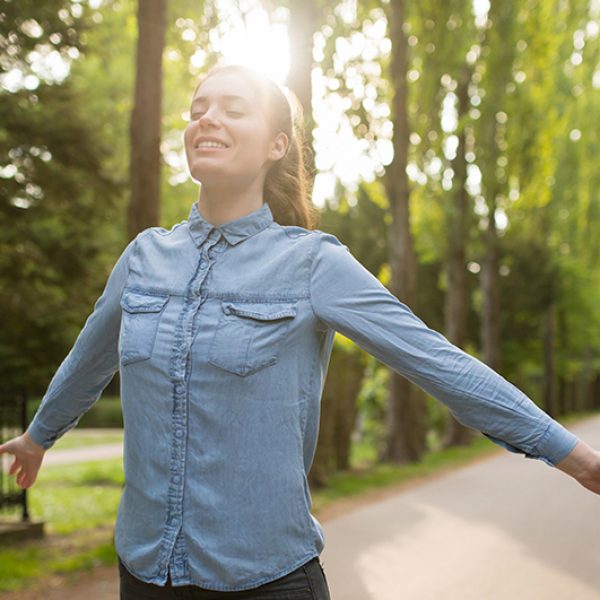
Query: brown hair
point(287, 183)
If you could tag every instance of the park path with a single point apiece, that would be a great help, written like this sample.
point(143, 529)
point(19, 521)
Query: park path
point(82, 454)
point(79, 454)
point(504, 527)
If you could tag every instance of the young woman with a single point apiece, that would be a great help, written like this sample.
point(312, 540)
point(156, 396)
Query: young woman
point(222, 328)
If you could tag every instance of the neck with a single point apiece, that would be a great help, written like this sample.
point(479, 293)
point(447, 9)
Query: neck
point(219, 204)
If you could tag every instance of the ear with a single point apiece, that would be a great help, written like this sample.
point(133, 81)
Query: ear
point(279, 146)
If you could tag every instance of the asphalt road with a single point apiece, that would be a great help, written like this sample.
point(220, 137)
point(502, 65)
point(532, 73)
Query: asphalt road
point(506, 527)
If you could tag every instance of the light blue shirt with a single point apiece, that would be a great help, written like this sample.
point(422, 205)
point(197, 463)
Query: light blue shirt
point(222, 336)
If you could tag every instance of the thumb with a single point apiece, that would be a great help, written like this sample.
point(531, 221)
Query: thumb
point(5, 447)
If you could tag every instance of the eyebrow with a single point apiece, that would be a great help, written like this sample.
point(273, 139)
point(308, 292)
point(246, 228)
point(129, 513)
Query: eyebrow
point(225, 97)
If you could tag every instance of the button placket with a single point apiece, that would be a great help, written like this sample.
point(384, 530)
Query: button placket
point(178, 372)
point(206, 262)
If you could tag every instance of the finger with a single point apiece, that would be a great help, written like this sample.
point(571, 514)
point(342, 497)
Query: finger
point(15, 465)
point(22, 478)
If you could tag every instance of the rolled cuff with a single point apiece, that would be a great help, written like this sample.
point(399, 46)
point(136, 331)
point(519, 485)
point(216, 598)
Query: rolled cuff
point(43, 436)
point(556, 443)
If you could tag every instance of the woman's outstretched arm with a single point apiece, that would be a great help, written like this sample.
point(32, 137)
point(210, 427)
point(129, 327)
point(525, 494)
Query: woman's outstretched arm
point(350, 299)
point(88, 367)
point(78, 382)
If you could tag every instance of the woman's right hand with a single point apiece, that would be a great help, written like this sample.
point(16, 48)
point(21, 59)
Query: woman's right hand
point(28, 459)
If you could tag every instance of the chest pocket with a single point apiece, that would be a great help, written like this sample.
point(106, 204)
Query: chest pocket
point(139, 324)
point(250, 335)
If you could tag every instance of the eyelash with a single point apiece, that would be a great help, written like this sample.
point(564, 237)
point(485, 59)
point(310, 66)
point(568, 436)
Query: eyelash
point(196, 115)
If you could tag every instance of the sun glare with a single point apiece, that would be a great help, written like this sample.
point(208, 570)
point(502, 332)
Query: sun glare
point(259, 43)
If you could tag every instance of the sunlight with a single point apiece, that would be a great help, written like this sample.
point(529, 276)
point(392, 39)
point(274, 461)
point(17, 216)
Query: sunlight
point(256, 41)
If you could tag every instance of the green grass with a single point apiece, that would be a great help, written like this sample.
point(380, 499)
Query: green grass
point(79, 496)
point(27, 563)
point(19, 566)
point(79, 505)
point(103, 554)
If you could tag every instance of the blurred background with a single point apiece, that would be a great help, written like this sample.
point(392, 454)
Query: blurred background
point(454, 150)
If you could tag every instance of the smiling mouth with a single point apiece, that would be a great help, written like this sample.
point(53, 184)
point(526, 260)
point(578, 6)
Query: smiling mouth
point(208, 149)
point(210, 146)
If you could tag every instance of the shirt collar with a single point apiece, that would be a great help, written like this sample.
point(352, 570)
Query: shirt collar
point(233, 231)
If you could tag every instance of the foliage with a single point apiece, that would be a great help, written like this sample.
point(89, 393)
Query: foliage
point(57, 202)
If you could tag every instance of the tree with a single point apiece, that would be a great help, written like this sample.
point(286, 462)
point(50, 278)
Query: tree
point(57, 201)
point(144, 210)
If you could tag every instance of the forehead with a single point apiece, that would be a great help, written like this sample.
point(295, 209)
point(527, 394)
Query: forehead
point(227, 86)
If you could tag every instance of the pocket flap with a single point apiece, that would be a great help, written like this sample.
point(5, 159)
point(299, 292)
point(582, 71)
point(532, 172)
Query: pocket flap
point(261, 311)
point(138, 302)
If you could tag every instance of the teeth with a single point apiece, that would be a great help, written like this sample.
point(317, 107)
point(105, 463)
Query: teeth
point(210, 145)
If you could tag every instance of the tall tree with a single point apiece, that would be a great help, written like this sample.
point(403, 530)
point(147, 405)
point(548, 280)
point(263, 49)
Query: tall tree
point(407, 410)
point(145, 166)
point(444, 34)
point(303, 24)
point(498, 48)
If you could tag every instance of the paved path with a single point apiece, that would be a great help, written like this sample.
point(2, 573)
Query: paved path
point(507, 527)
point(82, 454)
point(55, 456)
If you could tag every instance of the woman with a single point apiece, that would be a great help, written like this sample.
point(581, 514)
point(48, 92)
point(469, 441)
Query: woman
point(222, 329)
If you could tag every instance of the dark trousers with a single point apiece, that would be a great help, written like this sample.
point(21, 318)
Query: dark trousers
point(307, 582)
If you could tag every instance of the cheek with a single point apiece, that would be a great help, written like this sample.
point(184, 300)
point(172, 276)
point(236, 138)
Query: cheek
point(253, 145)
point(188, 134)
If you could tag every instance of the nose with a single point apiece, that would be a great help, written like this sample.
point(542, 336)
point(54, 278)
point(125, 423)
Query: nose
point(208, 118)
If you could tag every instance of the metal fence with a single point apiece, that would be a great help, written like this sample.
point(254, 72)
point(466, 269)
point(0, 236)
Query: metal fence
point(13, 422)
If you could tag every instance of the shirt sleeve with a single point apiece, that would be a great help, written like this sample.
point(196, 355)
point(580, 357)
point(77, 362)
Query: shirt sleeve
point(88, 367)
point(347, 297)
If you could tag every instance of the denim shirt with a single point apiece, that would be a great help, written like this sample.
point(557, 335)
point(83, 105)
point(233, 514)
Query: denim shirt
point(222, 336)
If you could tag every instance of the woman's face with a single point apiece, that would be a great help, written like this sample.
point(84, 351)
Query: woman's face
point(225, 110)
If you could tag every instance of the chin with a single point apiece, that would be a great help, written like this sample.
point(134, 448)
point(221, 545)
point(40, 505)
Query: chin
point(206, 174)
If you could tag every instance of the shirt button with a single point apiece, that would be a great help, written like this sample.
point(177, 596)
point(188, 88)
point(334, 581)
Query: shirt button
point(179, 433)
point(176, 478)
point(179, 388)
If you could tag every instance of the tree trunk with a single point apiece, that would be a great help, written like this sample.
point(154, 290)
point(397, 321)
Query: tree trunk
point(596, 392)
point(303, 23)
point(407, 417)
point(351, 373)
point(145, 126)
point(489, 283)
point(338, 415)
point(549, 395)
point(588, 376)
point(562, 342)
point(457, 219)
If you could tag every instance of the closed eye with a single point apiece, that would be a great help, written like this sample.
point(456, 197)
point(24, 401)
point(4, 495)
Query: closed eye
point(197, 115)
